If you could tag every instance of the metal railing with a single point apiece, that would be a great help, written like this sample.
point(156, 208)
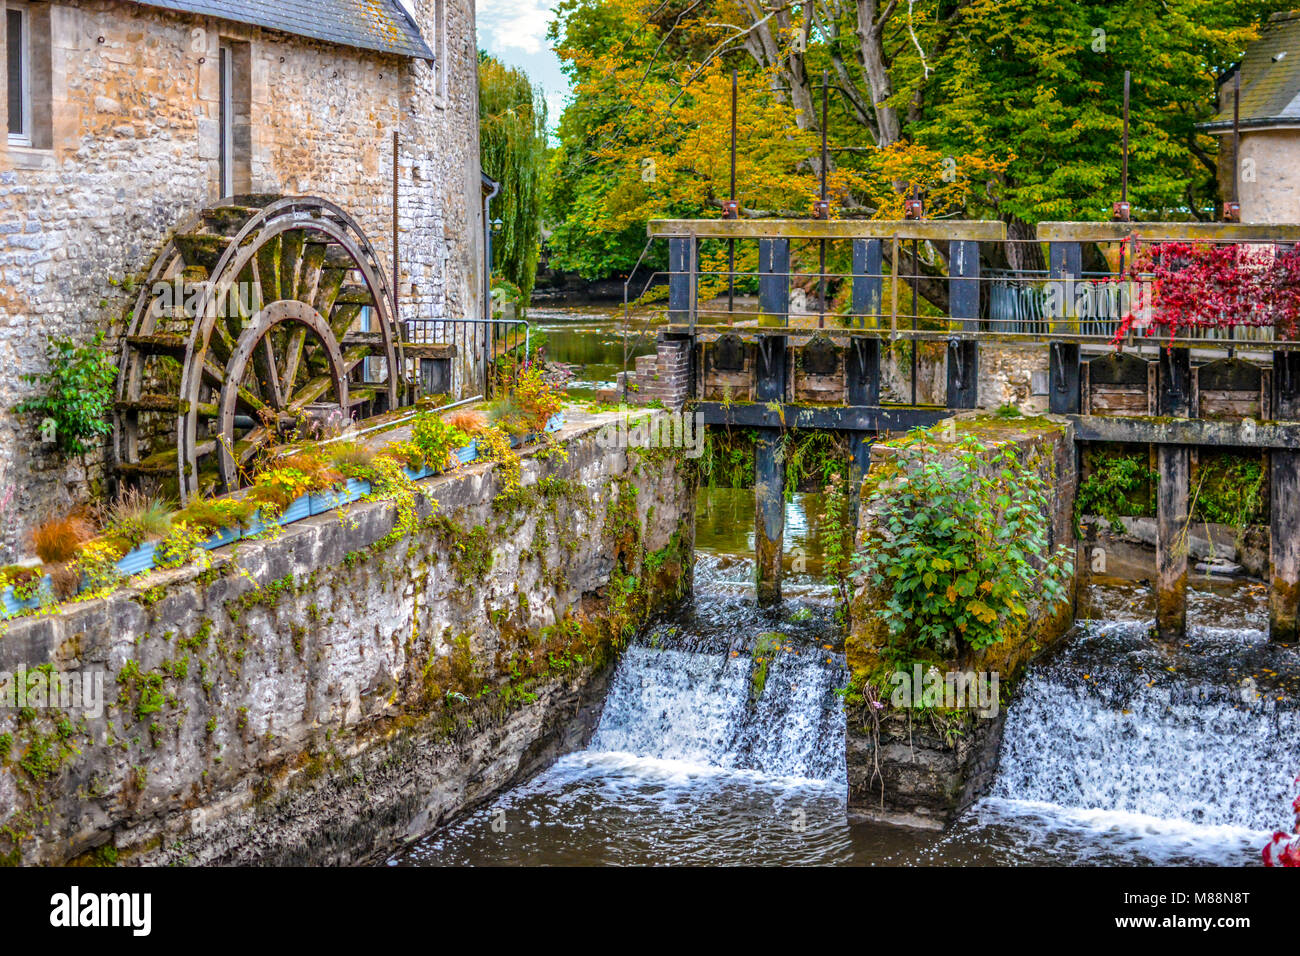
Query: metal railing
point(923, 279)
point(461, 358)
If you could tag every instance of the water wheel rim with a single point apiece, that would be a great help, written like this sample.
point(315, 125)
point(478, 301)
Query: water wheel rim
point(282, 312)
point(283, 216)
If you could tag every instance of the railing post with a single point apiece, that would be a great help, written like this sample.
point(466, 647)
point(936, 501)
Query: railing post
point(1174, 466)
point(1065, 264)
point(1284, 505)
point(681, 270)
point(774, 279)
point(964, 308)
point(863, 371)
point(868, 279)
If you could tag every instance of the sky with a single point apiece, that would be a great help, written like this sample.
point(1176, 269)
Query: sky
point(514, 31)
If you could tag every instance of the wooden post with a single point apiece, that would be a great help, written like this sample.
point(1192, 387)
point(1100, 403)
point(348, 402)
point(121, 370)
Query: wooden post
point(868, 281)
point(1284, 501)
point(1066, 264)
point(680, 275)
point(863, 371)
point(774, 279)
point(964, 306)
point(769, 514)
point(1174, 463)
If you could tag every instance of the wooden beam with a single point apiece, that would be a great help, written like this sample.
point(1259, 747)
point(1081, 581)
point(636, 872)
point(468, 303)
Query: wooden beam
point(1158, 231)
point(1196, 431)
point(973, 230)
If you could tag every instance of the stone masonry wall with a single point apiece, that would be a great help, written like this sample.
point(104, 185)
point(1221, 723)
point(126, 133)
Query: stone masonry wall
point(325, 695)
point(134, 150)
point(923, 768)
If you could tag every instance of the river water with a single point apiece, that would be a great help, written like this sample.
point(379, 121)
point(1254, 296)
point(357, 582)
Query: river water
point(1117, 750)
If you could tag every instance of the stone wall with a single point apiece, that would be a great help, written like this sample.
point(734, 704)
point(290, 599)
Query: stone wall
point(134, 150)
point(325, 695)
point(1270, 182)
point(923, 767)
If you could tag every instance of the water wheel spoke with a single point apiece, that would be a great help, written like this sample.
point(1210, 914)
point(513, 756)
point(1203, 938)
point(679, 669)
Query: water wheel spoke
point(291, 244)
point(293, 355)
point(268, 267)
point(313, 264)
point(267, 372)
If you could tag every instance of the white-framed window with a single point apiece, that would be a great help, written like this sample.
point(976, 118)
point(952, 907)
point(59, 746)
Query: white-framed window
point(226, 58)
point(18, 70)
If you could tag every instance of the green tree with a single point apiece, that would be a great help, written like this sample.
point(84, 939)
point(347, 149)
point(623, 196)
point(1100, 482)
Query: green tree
point(512, 145)
point(1007, 109)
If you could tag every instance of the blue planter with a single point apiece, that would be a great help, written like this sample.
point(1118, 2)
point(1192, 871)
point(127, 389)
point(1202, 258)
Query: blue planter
point(324, 501)
point(357, 489)
point(468, 453)
point(299, 509)
point(415, 474)
point(555, 422)
point(14, 606)
point(222, 538)
point(141, 559)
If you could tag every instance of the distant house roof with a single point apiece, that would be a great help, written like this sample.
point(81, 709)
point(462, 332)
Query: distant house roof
point(380, 25)
point(1270, 79)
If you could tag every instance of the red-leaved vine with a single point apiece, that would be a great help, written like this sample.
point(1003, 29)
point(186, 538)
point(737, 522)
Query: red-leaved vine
point(1183, 286)
point(1284, 848)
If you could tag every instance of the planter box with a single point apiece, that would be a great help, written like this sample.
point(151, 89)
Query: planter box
point(322, 501)
point(468, 453)
point(13, 606)
point(300, 508)
point(222, 538)
point(141, 559)
point(357, 489)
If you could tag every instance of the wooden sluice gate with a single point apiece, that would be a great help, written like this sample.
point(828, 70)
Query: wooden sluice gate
point(796, 363)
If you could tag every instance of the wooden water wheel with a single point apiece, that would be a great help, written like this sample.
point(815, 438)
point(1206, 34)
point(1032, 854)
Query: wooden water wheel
point(259, 311)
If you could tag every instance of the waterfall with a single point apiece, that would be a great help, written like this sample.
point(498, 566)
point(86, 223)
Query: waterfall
point(1187, 748)
point(696, 707)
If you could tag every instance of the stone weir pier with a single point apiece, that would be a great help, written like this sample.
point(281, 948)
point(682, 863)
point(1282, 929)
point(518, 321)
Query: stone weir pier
point(328, 694)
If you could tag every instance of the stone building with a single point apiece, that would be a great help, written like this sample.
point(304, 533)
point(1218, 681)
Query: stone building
point(1268, 170)
point(126, 118)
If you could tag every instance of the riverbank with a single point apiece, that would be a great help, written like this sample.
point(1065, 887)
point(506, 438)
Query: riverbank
point(324, 695)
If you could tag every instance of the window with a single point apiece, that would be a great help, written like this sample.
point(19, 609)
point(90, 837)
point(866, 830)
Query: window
point(227, 120)
point(234, 118)
point(18, 69)
point(440, 64)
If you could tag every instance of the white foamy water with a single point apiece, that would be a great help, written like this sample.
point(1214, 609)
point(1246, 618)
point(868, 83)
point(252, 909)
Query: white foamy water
point(696, 708)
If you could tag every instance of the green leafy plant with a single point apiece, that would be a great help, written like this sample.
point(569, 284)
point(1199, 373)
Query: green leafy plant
point(960, 547)
point(214, 514)
point(79, 391)
point(134, 518)
point(437, 440)
point(182, 545)
point(1119, 485)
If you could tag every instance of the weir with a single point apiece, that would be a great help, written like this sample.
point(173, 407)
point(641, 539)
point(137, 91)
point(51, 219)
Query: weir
point(1045, 339)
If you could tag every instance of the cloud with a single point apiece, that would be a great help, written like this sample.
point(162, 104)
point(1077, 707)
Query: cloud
point(520, 24)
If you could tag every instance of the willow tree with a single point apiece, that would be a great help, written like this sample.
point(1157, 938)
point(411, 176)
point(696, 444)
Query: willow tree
point(512, 144)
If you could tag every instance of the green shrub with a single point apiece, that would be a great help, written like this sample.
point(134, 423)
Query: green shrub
point(960, 548)
point(79, 392)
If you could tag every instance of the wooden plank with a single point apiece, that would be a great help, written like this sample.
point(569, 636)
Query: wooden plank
point(972, 230)
point(1191, 431)
point(1158, 231)
point(1231, 405)
point(1118, 400)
